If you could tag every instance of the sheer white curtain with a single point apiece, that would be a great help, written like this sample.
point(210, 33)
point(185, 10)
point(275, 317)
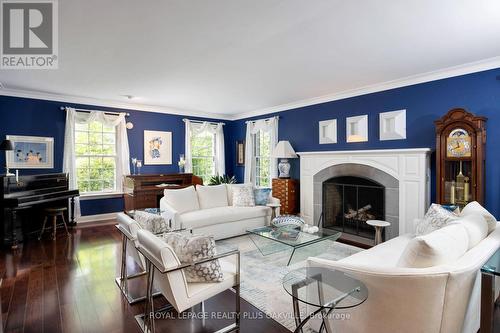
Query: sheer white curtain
point(270, 126)
point(217, 129)
point(122, 148)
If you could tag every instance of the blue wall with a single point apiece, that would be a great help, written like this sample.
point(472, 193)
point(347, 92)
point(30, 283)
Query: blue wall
point(22, 116)
point(479, 93)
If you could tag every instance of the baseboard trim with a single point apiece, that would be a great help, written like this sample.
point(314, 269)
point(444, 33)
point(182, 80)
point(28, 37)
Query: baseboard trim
point(96, 218)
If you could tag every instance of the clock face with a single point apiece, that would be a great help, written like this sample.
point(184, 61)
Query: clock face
point(458, 143)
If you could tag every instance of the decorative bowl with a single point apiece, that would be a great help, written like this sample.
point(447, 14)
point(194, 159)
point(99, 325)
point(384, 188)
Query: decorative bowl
point(288, 221)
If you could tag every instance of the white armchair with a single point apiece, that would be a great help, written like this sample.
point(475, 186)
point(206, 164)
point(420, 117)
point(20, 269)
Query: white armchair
point(441, 299)
point(167, 273)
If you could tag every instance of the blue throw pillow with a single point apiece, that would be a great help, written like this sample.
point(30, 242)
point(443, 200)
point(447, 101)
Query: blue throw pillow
point(261, 196)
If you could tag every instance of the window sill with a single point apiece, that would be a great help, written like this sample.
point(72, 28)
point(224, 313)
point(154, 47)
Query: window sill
point(94, 196)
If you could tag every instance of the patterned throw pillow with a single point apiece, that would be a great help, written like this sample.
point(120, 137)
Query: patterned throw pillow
point(243, 196)
point(152, 222)
point(194, 248)
point(261, 196)
point(435, 218)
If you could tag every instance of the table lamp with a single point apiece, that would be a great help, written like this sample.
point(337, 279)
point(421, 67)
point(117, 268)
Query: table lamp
point(284, 151)
point(7, 145)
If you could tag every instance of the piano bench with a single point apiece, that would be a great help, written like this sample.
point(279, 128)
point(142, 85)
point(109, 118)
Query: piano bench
point(54, 212)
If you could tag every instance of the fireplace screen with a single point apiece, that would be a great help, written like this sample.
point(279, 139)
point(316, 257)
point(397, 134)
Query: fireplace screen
point(348, 202)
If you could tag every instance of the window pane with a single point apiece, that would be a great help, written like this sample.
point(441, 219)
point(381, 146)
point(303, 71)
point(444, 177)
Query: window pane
point(81, 149)
point(82, 173)
point(95, 138)
point(95, 127)
point(262, 152)
point(108, 138)
point(203, 155)
point(95, 186)
point(82, 162)
point(108, 185)
point(83, 186)
point(81, 137)
point(108, 129)
point(95, 173)
point(108, 149)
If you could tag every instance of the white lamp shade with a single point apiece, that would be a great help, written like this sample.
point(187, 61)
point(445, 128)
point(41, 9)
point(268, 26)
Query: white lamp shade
point(284, 150)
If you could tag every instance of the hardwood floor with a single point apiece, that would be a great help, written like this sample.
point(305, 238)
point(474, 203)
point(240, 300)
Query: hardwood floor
point(68, 286)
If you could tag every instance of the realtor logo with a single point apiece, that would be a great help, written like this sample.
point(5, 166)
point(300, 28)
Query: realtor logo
point(29, 34)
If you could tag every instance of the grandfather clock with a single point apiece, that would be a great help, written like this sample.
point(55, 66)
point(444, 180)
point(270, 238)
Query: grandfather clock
point(460, 157)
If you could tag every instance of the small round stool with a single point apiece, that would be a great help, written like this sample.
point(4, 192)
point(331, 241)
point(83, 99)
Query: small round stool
point(379, 226)
point(274, 208)
point(54, 213)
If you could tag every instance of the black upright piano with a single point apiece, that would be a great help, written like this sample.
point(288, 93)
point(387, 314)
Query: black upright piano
point(22, 200)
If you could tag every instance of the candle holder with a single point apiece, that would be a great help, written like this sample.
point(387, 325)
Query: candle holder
point(181, 163)
point(139, 166)
point(134, 162)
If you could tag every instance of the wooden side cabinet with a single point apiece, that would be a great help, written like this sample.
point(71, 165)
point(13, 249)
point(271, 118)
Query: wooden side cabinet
point(287, 190)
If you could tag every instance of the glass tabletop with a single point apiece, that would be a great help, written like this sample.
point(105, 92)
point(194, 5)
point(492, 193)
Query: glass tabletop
point(492, 266)
point(294, 237)
point(324, 287)
point(156, 211)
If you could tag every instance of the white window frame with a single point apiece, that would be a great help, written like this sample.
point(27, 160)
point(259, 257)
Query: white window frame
point(257, 157)
point(212, 157)
point(115, 157)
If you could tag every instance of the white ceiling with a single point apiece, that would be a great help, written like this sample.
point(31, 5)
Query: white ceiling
point(235, 57)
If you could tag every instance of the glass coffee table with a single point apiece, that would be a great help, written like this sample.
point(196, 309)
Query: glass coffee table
point(323, 288)
point(271, 240)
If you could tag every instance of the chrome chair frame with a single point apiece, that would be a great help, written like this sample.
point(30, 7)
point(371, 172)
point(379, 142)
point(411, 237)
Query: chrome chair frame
point(122, 280)
point(146, 320)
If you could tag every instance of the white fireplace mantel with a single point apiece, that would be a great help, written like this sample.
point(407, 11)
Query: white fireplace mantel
point(411, 167)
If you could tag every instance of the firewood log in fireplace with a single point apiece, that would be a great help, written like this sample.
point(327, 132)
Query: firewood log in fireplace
point(362, 214)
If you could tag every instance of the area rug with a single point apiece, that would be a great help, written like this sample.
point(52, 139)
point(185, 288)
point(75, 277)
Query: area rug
point(261, 276)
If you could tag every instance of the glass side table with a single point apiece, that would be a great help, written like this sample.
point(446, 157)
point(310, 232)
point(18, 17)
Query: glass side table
point(489, 271)
point(324, 288)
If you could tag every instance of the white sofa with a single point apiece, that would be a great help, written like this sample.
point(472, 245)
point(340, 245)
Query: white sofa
point(208, 210)
point(443, 298)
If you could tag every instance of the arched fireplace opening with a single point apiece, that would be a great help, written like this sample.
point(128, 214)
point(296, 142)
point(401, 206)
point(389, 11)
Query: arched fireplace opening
point(349, 201)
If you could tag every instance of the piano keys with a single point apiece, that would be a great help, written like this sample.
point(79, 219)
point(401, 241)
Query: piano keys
point(22, 199)
point(145, 191)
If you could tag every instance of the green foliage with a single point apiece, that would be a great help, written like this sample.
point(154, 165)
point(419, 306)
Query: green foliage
point(95, 157)
point(262, 154)
point(225, 179)
point(203, 155)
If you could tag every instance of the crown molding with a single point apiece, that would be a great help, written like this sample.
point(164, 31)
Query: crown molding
point(109, 103)
point(468, 68)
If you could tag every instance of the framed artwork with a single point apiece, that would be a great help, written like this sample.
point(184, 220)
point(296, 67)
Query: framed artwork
point(392, 125)
point(328, 131)
point(157, 147)
point(240, 153)
point(30, 152)
point(357, 129)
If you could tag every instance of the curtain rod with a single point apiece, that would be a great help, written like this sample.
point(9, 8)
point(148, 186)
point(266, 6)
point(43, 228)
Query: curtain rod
point(201, 122)
point(266, 119)
point(105, 112)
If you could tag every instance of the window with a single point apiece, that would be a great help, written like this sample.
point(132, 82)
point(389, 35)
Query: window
point(95, 152)
point(262, 155)
point(203, 155)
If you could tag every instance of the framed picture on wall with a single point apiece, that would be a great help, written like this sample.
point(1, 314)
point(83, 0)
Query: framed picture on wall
point(240, 153)
point(157, 147)
point(30, 152)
